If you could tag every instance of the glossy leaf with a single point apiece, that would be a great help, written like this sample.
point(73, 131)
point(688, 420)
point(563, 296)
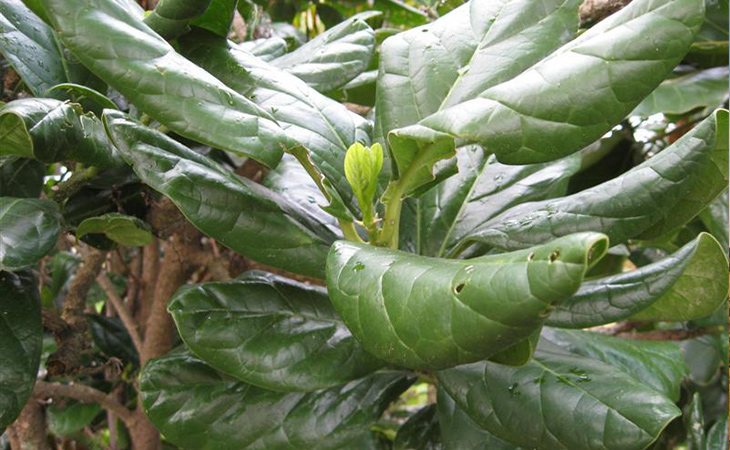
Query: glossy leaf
point(482, 189)
point(648, 201)
point(431, 313)
point(689, 284)
point(717, 437)
point(238, 213)
point(51, 130)
point(270, 331)
point(702, 89)
point(112, 338)
point(120, 228)
point(294, 184)
point(334, 57)
point(705, 358)
point(266, 49)
point(547, 112)
point(20, 342)
point(171, 18)
point(458, 430)
point(21, 177)
point(67, 420)
point(218, 17)
point(431, 67)
point(30, 46)
point(715, 219)
point(560, 401)
point(194, 406)
point(658, 365)
point(90, 99)
point(322, 126)
point(150, 74)
point(29, 229)
point(421, 431)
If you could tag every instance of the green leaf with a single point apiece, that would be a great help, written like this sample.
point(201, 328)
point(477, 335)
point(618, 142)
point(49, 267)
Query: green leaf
point(194, 406)
point(266, 49)
point(112, 338)
point(90, 99)
point(421, 431)
point(293, 183)
point(120, 228)
point(115, 45)
point(717, 436)
point(560, 401)
point(658, 365)
point(481, 189)
point(650, 200)
point(705, 358)
point(63, 266)
point(688, 284)
point(21, 338)
point(67, 420)
point(715, 219)
point(30, 47)
point(218, 17)
point(432, 67)
point(334, 57)
point(421, 312)
point(458, 430)
point(29, 229)
point(21, 177)
point(701, 89)
point(579, 92)
point(694, 422)
point(270, 331)
point(51, 130)
point(322, 126)
point(171, 18)
point(238, 213)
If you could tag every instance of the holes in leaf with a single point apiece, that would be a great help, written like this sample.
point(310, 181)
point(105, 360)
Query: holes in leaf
point(531, 256)
point(424, 30)
point(459, 287)
point(554, 255)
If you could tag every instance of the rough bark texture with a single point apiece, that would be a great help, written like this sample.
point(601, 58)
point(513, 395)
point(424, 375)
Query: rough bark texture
point(592, 11)
point(28, 432)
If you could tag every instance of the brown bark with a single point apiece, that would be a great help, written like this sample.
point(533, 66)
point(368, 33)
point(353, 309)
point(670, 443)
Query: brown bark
point(28, 432)
point(593, 11)
point(150, 273)
point(73, 340)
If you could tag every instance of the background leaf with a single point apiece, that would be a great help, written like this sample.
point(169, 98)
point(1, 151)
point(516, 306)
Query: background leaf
point(120, 228)
point(270, 331)
point(29, 229)
point(20, 342)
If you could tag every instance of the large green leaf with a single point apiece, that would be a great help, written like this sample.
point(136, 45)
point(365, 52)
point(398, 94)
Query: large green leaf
point(560, 401)
point(171, 18)
point(29, 229)
point(120, 228)
point(431, 67)
point(688, 284)
point(701, 89)
point(117, 46)
point(240, 214)
point(266, 49)
point(321, 125)
point(482, 189)
point(197, 407)
point(292, 182)
point(458, 430)
point(659, 365)
point(51, 130)
point(21, 337)
point(421, 312)
point(334, 57)
point(270, 331)
point(715, 219)
point(29, 45)
point(576, 94)
point(651, 199)
point(21, 177)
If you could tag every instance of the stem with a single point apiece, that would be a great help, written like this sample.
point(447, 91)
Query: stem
point(347, 227)
point(85, 394)
point(76, 181)
point(122, 311)
point(393, 200)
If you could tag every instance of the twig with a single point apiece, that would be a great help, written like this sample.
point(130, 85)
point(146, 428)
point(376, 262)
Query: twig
point(668, 335)
point(124, 314)
point(85, 394)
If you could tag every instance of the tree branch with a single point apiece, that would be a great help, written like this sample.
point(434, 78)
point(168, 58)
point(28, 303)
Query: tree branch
point(85, 394)
point(121, 308)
